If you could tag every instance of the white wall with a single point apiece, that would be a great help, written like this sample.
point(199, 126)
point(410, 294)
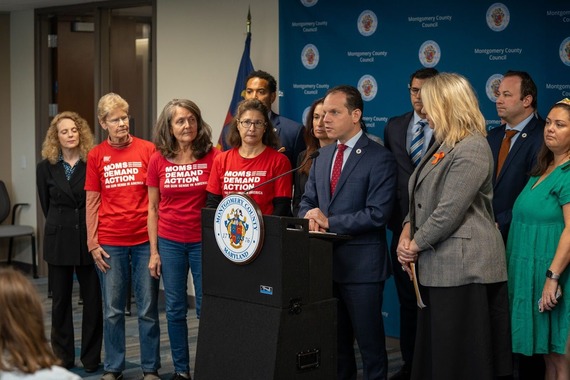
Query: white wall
point(199, 46)
point(23, 122)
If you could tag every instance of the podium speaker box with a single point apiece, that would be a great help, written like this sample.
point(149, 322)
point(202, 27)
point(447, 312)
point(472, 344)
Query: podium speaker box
point(246, 341)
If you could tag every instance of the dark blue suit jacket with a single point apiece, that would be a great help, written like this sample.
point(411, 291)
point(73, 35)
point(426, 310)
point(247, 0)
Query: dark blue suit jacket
point(360, 207)
point(395, 140)
point(291, 136)
point(514, 173)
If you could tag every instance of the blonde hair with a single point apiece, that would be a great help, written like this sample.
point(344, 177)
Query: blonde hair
point(108, 103)
point(23, 343)
point(451, 104)
point(51, 147)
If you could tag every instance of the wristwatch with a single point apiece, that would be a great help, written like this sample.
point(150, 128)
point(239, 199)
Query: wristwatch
point(550, 274)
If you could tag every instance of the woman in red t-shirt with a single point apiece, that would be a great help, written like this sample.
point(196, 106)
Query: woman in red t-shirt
point(177, 177)
point(252, 161)
point(117, 237)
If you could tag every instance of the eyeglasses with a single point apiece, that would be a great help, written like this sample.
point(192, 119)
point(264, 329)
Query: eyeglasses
point(257, 124)
point(415, 91)
point(124, 119)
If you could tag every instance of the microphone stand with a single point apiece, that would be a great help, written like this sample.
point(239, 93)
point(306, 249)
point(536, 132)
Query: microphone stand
point(310, 157)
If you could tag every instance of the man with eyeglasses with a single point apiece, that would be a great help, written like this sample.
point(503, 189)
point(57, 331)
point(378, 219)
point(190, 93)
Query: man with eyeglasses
point(408, 137)
point(262, 86)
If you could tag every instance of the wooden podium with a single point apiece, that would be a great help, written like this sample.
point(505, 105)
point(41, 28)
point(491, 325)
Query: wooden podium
point(274, 317)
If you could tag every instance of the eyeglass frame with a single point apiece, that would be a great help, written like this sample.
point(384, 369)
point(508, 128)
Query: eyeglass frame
point(414, 90)
point(257, 124)
point(125, 119)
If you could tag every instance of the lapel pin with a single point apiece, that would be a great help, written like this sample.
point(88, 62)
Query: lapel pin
point(523, 135)
point(358, 151)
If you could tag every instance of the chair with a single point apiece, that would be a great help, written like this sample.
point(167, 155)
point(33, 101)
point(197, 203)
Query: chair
point(15, 230)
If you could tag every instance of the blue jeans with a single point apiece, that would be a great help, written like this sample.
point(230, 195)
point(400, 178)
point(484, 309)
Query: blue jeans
point(176, 258)
point(114, 290)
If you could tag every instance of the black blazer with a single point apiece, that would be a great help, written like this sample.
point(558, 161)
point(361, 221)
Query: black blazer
point(63, 205)
point(514, 173)
point(395, 140)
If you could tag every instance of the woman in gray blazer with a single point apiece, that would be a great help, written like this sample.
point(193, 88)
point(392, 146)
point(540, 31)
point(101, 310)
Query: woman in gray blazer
point(450, 235)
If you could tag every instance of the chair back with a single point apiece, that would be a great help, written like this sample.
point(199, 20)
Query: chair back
point(4, 202)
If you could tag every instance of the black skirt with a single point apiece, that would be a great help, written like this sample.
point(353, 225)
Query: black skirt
point(463, 333)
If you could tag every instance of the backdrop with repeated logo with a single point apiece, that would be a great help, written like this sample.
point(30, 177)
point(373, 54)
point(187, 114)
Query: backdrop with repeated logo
point(376, 45)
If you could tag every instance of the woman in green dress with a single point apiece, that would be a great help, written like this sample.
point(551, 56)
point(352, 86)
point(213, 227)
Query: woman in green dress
point(538, 251)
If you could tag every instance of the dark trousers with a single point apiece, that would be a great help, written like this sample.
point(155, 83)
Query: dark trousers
point(408, 304)
point(62, 337)
point(360, 318)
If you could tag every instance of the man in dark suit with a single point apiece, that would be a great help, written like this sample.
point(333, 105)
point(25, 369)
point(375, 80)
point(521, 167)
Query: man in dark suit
point(262, 86)
point(516, 106)
point(399, 139)
point(351, 190)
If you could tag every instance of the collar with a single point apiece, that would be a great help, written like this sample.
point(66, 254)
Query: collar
point(352, 141)
point(520, 126)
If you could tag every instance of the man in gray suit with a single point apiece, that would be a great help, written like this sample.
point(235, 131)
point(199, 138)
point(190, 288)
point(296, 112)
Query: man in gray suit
point(399, 135)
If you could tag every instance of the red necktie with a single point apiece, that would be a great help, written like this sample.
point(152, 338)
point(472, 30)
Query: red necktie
point(505, 147)
point(337, 167)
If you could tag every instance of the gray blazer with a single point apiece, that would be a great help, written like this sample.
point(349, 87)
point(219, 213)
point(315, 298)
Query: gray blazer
point(451, 216)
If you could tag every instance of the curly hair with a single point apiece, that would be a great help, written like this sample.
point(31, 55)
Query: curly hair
point(108, 103)
point(51, 147)
point(23, 342)
point(166, 142)
point(269, 138)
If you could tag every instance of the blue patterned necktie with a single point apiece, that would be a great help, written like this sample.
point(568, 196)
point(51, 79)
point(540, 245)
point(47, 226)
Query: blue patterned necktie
point(417, 143)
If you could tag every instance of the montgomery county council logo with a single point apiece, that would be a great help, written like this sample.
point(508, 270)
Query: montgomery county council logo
point(565, 51)
point(310, 56)
point(492, 87)
point(367, 87)
point(238, 227)
point(429, 53)
point(498, 17)
point(367, 23)
point(309, 3)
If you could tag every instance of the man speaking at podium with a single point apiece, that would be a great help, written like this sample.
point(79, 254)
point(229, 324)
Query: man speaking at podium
point(351, 191)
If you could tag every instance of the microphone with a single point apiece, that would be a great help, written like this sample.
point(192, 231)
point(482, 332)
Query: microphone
point(311, 156)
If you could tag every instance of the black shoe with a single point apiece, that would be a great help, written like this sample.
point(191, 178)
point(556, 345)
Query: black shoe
point(403, 374)
point(91, 368)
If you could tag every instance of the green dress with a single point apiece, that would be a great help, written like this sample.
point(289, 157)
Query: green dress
point(533, 238)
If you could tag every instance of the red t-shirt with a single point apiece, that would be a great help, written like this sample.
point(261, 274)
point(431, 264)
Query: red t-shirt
point(120, 176)
point(231, 173)
point(182, 191)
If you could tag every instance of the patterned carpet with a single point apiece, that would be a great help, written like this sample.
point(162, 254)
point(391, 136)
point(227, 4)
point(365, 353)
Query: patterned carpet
point(133, 371)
